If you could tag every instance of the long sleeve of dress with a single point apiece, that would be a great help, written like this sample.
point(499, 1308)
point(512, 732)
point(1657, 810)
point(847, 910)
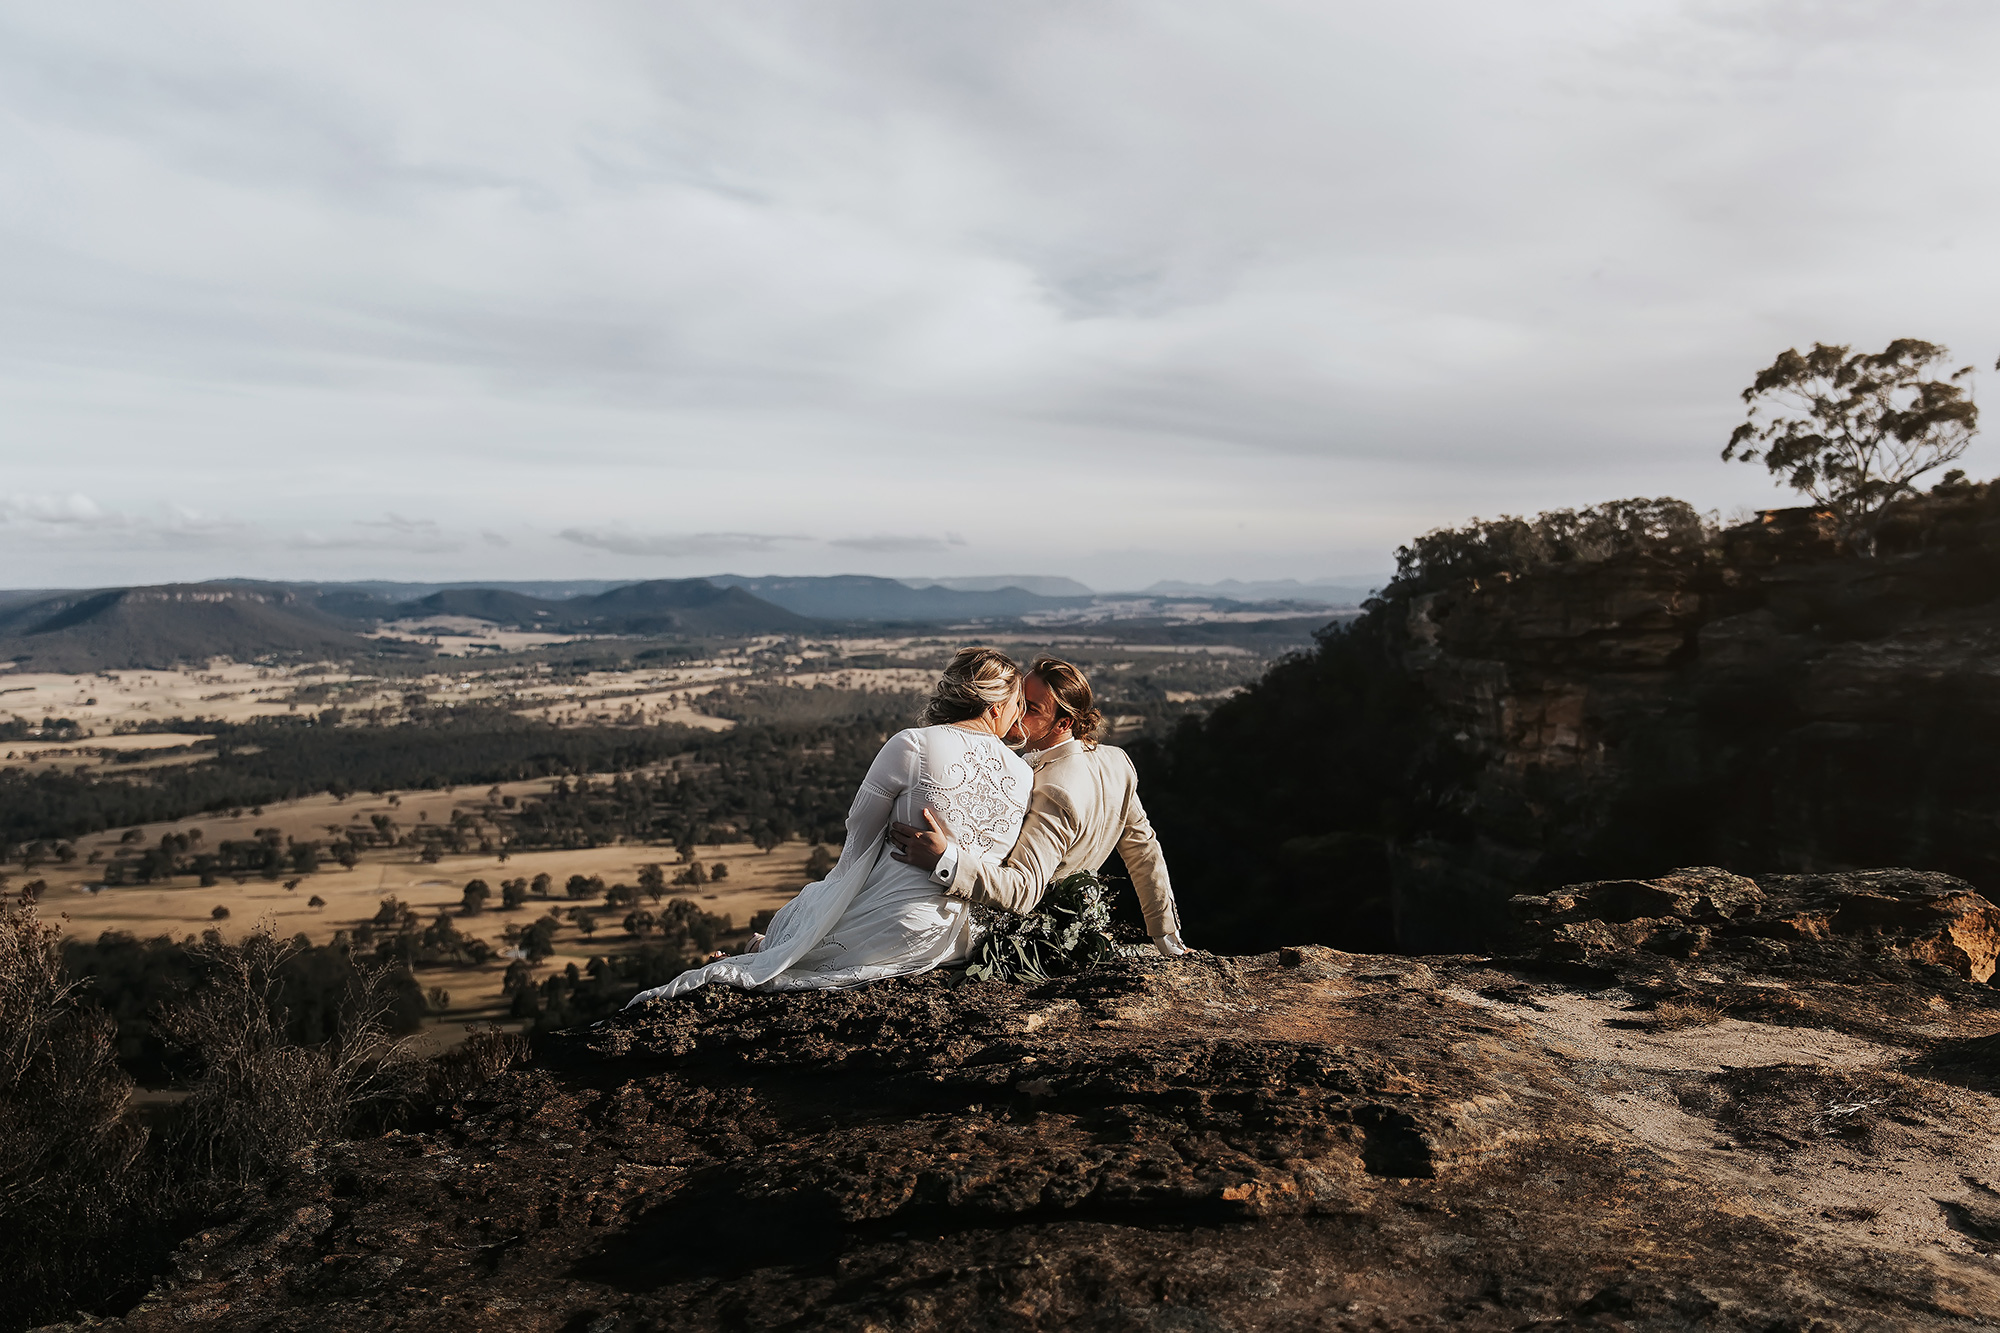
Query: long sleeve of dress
point(895, 771)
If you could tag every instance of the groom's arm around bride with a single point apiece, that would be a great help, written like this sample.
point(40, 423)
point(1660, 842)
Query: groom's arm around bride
point(1084, 805)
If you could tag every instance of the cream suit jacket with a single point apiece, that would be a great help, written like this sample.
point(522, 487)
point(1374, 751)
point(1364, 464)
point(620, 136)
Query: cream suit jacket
point(1085, 805)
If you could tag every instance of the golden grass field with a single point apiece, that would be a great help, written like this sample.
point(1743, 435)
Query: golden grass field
point(757, 881)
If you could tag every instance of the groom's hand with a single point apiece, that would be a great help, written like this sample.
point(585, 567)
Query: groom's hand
point(921, 847)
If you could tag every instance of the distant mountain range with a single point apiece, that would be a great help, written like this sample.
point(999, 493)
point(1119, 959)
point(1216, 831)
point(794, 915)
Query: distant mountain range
point(171, 623)
point(241, 619)
point(858, 597)
point(1048, 585)
point(193, 622)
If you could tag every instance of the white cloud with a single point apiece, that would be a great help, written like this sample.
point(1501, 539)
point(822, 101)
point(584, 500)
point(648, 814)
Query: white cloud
point(74, 510)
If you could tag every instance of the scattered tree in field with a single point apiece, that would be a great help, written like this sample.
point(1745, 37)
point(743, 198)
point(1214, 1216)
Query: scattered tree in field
point(719, 871)
point(693, 876)
point(587, 923)
point(540, 885)
point(315, 902)
point(513, 892)
point(637, 924)
point(1854, 431)
point(473, 902)
point(219, 914)
point(653, 880)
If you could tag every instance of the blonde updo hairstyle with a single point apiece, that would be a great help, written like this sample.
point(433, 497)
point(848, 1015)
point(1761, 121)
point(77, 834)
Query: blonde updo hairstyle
point(1069, 690)
point(977, 679)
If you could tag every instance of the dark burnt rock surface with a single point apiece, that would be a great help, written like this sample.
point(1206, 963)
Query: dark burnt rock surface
point(1773, 1125)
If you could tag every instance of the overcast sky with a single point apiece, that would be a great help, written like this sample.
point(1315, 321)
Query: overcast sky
point(1119, 289)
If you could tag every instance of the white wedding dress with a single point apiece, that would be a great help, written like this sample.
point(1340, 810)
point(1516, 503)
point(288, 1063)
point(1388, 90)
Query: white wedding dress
point(876, 917)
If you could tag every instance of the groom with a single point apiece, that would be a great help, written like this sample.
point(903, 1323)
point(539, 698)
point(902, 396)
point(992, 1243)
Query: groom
point(1085, 803)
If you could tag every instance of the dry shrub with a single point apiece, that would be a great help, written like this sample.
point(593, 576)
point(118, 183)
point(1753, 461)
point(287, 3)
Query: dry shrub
point(259, 1096)
point(1673, 1015)
point(90, 1205)
point(478, 1060)
point(68, 1158)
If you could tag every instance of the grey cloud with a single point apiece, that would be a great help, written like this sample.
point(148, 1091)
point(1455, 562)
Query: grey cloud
point(620, 542)
point(891, 543)
point(1274, 286)
point(494, 539)
point(400, 526)
point(419, 536)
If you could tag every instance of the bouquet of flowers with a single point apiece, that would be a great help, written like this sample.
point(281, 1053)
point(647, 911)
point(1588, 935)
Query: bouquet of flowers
point(1069, 930)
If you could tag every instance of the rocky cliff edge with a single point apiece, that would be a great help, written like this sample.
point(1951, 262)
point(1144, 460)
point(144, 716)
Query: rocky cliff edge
point(1699, 1101)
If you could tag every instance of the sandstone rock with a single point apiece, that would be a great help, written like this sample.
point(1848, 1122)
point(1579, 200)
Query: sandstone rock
point(1306, 1139)
point(1768, 703)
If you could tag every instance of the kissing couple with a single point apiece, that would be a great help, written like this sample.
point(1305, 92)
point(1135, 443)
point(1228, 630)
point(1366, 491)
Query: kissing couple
point(949, 816)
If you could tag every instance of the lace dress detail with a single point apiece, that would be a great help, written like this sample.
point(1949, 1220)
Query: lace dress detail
point(980, 800)
point(875, 917)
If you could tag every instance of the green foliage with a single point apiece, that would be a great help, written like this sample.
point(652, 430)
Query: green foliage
point(282, 759)
point(1854, 431)
point(601, 987)
point(133, 979)
point(791, 781)
point(1278, 810)
point(1512, 546)
point(1069, 930)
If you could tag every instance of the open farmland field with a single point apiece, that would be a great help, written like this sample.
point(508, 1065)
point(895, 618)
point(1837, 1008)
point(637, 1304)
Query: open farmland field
point(757, 881)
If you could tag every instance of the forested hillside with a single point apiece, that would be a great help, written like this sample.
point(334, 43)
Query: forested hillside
point(1608, 692)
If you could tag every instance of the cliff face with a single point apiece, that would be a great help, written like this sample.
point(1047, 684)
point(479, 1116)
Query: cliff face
point(1763, 703)
point(1691, 1101)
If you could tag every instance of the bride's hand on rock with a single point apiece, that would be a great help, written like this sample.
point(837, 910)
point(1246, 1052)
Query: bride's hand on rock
point(921, 847)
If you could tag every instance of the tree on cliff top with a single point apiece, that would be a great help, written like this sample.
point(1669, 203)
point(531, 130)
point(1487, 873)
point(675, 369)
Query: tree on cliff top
point(1862, 427)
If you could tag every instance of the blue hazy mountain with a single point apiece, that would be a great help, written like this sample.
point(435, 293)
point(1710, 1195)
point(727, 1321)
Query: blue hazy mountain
point(860, 597)
point(1045, 585)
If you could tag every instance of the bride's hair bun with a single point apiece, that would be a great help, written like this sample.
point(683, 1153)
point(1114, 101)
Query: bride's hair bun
point(1070, 689)
point(977, 679)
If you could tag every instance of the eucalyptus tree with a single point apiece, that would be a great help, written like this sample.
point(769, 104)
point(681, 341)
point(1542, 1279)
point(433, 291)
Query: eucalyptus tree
point(1853, 431)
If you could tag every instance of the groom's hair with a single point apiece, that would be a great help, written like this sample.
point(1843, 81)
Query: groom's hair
point(1070, 689)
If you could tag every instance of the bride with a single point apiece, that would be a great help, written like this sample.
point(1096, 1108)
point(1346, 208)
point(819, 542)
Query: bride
point(874, 916)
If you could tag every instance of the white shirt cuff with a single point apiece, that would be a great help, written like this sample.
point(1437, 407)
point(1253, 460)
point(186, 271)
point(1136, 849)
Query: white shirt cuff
point(947, 866)
point(1170, 945)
